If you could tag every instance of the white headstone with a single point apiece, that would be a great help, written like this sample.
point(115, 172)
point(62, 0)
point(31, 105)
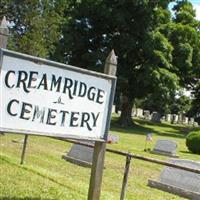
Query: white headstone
point(168, 117)
point(113, 109)
point(191, 121)
point(139, 112)
point(179, 181)
point(165, 147)
point(147, 114)
point(175, 118)
point(180, 118)
point(185, 120)
point(134, 112)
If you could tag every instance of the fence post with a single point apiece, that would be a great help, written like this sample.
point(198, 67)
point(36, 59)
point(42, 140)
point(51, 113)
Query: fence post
point(100, 147)
point(4, 32)
point(24, 149)
point(125, 179)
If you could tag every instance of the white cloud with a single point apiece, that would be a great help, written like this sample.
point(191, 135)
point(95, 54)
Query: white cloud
point(197, 8)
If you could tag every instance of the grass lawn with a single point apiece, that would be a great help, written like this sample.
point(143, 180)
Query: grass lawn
point(45, 176)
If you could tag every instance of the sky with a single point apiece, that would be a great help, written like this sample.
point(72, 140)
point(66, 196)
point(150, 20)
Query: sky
point(196, 5)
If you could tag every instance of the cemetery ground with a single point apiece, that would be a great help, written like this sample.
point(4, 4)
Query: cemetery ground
point(45, 176)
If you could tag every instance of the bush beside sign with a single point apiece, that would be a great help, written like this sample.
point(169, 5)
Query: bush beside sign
point(48, 98)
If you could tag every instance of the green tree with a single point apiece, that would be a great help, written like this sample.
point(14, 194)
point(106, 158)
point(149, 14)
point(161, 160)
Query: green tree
point(181, 105)
point(185, 38)
point(34, 25)
point(130, 28)
point(184, 35)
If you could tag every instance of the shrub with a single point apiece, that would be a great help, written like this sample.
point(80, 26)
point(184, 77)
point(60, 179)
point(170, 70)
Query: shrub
point(193, 142)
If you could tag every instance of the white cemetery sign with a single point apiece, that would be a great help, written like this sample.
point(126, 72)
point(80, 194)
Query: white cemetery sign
point(47, 98)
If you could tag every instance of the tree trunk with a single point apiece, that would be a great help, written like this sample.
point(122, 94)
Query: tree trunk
point(126, 112)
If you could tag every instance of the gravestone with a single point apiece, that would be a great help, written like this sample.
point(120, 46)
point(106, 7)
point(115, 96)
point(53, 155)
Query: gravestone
point(80, 155)
point(178, 181)
point(168, 117)
point(113, 108)
point(165, 147)
point(191, 121)
point(174, 118)
point(155, 117)
point(185, 120)
point(180, 118)
point(139, 112)
point(134, 112)
point(147, 114)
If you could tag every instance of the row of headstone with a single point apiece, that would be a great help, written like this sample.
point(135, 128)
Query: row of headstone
point(145, 114)
point(156, 117)
point(178, 181)
point(180, 119)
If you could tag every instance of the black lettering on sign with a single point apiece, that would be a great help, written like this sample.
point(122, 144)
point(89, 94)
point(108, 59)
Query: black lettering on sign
point(22, 78)
point(9, 107)
point(55, 83)
point(100, 95)
point(95, 119)
point(38, 114)
point(26, 108)
point(75, 87)
point(90, 94)
point(51, 115)
point(82, 89)
point(43, 82)
point(85, 120)
point(7, 78)
point(63, 112)
point(74, 118)
point(32, 79)
point(68, 86)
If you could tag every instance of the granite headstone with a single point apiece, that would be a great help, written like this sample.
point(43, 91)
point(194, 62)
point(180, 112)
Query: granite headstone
point(81, 155)
point(165, 147)
point(178, 181)
point(155, 117)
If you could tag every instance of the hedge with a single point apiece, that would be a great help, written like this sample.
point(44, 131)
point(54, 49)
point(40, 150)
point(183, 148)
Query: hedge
point(193, 142)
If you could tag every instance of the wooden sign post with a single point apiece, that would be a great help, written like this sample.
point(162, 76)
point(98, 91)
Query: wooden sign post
point(100, 147)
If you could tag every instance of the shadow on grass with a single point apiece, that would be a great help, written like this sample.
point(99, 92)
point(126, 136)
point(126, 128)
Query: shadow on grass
point(34, 172)
point(23, 198)
point(139, 128)
point(188, 152)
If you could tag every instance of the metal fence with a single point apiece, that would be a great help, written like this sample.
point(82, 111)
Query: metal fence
point(129, 156)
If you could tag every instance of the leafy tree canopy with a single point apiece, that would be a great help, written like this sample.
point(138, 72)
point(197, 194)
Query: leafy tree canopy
point(34, 25)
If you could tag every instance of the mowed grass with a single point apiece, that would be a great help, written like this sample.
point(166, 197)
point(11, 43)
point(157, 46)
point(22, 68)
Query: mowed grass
point(45, 176)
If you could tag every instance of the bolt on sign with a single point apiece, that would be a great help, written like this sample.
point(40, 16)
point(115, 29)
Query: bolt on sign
point(48, 98)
